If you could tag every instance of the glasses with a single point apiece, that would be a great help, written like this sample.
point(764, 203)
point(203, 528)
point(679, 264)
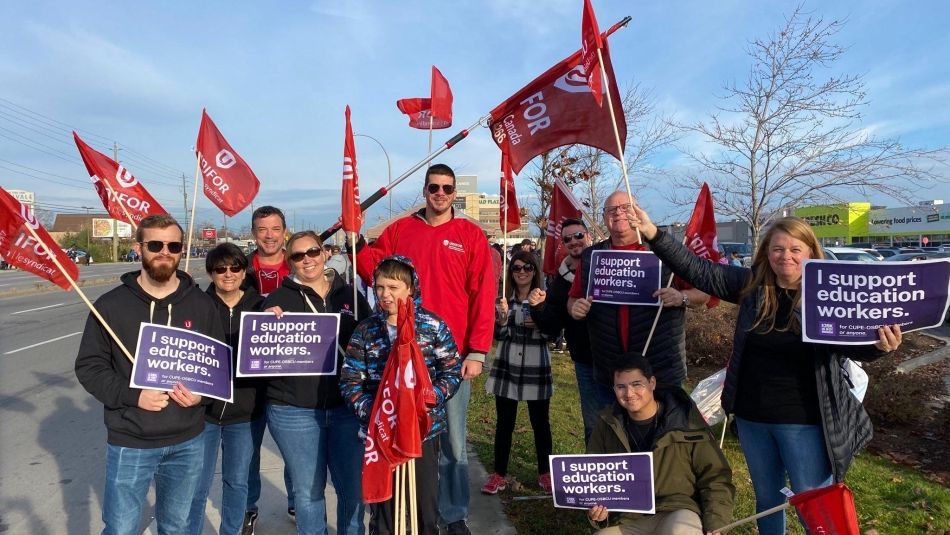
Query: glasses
point(312, 252)
point(448, 189)
point(156, 246)
point(221, 270)
point(636, 386)
point(567, 238)
point(527, 268)
point(614, 210)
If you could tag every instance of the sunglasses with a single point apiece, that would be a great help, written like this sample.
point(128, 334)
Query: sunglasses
point(312, 252)
point(527, 268)
point(448, 189)
point(156, 246)
point(576, 236)
point(221, 270)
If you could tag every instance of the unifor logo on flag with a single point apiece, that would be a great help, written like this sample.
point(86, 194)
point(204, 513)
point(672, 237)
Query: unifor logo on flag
point(419, 111)
point(124, 197)
point(19, 248)
point(563, 206)
point(352, 214)
point(509, 213)
point(229, 181)
point(701, 235)
point(555, 110)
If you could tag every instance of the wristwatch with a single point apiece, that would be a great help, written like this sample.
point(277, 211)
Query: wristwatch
point(685, 299)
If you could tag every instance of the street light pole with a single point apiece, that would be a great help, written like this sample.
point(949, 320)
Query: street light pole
point(389, 168)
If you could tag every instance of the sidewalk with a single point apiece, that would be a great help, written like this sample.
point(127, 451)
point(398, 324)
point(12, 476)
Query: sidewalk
point(942, 333)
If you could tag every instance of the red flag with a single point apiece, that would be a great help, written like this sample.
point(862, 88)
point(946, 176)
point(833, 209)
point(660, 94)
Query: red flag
point(441, 95)
point(107, 174)
point(399, 420)
point(19, 248)
point(419, 111)
point(828, 510)
point(701, 232)
point(228, 181)
point(554, 110)
point(563, 206)
point(352, 214)
point(591, 42)
point(509, 213)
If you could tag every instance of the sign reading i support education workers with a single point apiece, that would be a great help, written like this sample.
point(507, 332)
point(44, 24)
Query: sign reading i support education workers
point(165, 356)
point(847, 302)
point(294, 344)
point(624, 277)
point(618, 481)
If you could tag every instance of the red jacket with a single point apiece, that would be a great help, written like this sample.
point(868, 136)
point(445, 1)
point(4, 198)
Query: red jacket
point(455, 271)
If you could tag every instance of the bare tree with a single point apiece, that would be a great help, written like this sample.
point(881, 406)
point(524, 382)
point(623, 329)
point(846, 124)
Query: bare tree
point(790, 135)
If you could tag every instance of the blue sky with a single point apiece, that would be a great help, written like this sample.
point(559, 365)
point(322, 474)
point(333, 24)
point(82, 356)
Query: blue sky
point(275, 77)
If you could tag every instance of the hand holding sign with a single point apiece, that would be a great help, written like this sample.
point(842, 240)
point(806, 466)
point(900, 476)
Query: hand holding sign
point(580, 308)
point(184, 397)
point(153, 400)
point(890, 338)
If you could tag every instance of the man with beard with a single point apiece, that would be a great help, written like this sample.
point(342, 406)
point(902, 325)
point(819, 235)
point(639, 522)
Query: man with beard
point(152, 434)
point(549, 312)
point(268, 264)
point(616, 330)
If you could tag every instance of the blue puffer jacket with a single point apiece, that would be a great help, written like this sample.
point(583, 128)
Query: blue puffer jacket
point(368, 352)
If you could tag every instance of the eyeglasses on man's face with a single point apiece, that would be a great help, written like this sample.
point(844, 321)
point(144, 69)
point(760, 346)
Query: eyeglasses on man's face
point(568, 238)
point(448, 189)
point(620, 208)
point(156, 246)
point(636, 386)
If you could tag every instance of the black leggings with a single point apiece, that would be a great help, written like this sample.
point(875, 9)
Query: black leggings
point(507, 411)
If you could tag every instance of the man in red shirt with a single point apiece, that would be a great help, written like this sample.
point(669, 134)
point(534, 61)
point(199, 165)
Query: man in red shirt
point(453, 262)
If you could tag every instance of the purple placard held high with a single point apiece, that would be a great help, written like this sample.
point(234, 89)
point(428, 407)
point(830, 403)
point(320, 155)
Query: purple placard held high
point(165, 356)
point(618, 481)
point(846, 302)
point(294, 344)
point(624, 277)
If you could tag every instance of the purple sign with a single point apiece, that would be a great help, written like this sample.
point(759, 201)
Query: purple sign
point(618, 481)
point(846, 302)
point(624, 277)
point(165, 356)
point(294, 344)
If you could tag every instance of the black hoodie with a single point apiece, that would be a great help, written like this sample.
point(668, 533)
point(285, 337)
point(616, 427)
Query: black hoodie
point(249, 393)
point(105, 372)
point(315, 391)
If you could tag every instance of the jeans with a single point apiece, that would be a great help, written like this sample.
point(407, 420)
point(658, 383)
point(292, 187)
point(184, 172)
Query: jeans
point(129, 472)
point(254, 472)
point(774, 450)
point(312, 441)
point(453, 463)
point(589, 404)
point(236, 442)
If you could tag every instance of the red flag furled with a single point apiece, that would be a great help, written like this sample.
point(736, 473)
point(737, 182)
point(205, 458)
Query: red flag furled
point(441, 95)
point(107, 174)
point(399, 420)
point(591, 42)
point(352, 215)
point(701, 232)
point(19, 248)
point(828, 510)
point(509, 213)
point(563, 206)
point(556, 109)
point(228, 181)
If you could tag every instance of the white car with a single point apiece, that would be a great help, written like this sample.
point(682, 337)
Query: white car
point(848, 253)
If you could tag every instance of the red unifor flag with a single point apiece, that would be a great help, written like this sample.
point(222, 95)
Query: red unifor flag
point(509, 213)
point(352, 214)
point(117, 187)
point(228, 181)
point(556, 109)
point(19, 248)
point(563, 206)
point(399, 420)
point(829, 510)
point(419, 111)
point(591, 42)
point(441, 95)
point(701, 232)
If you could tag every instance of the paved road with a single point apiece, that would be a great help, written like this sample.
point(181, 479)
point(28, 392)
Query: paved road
point(12, 280)
point(52, 440)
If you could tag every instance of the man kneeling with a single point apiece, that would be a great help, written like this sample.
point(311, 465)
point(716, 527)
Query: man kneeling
point(692, 479)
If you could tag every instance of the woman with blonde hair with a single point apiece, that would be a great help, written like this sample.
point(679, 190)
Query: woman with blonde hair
point(794, 411)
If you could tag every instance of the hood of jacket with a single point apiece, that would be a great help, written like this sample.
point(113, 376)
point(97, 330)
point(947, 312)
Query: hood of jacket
point(417, 287)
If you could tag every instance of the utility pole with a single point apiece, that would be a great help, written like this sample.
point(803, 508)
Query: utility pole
point(184, 190)
point(115, 222)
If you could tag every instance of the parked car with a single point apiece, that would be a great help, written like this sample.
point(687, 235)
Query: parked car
point(874, 253)
point(903, 257)
point(742, 249)
point(847, 253)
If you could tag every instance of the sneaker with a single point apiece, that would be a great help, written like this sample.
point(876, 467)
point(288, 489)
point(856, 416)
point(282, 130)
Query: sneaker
point(544, 481)
point(494, 484)
point(292, 513)
point(250, 518)
point(459, 527)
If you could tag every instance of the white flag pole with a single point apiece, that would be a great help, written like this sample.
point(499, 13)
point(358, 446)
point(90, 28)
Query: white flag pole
point(194, 201)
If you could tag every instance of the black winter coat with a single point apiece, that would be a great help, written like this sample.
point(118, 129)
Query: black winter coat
point(846, 425)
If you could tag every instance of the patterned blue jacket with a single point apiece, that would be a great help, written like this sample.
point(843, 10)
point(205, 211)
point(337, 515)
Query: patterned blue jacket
point(369, 349)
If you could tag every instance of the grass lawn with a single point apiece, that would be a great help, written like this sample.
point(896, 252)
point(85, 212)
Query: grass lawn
point(890, 498)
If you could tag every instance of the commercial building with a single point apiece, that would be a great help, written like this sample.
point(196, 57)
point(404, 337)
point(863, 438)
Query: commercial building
point(858, 222)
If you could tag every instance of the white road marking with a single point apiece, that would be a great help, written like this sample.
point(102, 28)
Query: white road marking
point(35, 309)
point(41, 343)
